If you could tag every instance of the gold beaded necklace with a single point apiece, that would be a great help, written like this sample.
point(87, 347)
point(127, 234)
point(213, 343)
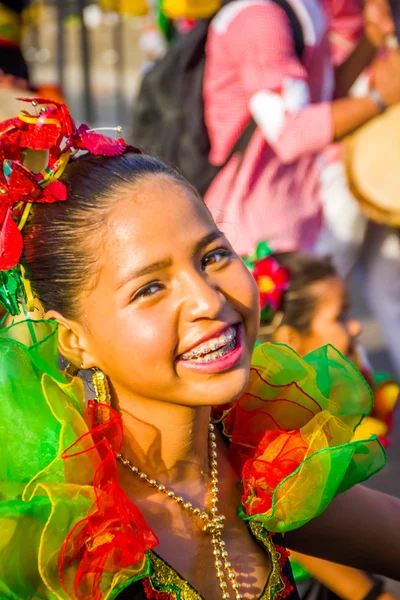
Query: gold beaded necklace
point(213, 522)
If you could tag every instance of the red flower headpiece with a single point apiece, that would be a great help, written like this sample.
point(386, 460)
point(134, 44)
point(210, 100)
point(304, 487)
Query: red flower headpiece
point(272, 279)
point(52, 130)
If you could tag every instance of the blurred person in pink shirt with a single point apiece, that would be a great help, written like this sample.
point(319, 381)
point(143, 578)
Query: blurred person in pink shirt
point(291, 168)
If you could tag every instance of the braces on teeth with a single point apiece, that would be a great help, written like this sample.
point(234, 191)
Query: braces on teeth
point(208, 352)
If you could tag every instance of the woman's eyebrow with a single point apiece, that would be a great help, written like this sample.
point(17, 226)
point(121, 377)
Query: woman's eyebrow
point(167, 262)
point(147, 270)
point(207, 239)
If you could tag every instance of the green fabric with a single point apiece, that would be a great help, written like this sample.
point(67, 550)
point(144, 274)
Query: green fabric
point(299, 572)
point(318, 401)
point(30, 432)
point(45, 495)
point(11, 290)
point(41, 414)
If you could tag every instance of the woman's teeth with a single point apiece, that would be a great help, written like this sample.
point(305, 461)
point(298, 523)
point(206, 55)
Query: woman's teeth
point(213, 349)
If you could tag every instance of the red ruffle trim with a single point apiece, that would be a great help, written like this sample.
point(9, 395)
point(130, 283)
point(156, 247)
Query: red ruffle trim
point(262, 477)
point(252, 425)
point(153, 594)
point(283, 559)
point(114, 535)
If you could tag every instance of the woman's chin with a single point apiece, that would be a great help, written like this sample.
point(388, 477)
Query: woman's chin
point(221, 389)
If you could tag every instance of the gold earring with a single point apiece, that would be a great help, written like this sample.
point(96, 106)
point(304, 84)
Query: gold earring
point(101, 387)
point(71, 370)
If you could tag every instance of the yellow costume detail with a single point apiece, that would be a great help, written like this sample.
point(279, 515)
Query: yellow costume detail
point(190, 9)
point(274, 584)
point(165, 579)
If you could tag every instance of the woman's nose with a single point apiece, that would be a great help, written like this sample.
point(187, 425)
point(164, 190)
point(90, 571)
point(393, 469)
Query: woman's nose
point(204, 300)
point(354, 327)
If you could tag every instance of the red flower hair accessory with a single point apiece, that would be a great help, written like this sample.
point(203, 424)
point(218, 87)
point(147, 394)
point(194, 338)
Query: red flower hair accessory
point(272, 279)
point(53, 130)
point(19, 185)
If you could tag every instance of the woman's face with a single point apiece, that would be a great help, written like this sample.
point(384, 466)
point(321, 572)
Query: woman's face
point(173, 314)
point(330, 323)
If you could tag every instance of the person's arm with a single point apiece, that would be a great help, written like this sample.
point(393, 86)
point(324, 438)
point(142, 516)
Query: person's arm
point(360, 528)
point(260, 41)
point(378, 27)
point(349, 114)
point(345, 582)
point(347, 73)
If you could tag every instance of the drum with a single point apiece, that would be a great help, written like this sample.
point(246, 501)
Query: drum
point(372, 161)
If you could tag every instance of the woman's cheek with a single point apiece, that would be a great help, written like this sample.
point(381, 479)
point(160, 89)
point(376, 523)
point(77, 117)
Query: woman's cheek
point(152, 338)
point(245, 287)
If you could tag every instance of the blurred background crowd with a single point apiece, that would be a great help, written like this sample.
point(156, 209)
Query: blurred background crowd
point(285, 114)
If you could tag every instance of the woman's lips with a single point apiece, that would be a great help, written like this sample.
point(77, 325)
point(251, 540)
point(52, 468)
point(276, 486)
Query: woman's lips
point(220, 360)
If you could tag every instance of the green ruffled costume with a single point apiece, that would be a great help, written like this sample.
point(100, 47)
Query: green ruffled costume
point(69, 531)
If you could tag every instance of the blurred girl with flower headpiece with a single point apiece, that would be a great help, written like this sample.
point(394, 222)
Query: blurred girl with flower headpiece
point(305, 305)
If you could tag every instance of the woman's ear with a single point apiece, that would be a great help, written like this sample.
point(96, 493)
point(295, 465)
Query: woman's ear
point(288, 335)
point(72, 341)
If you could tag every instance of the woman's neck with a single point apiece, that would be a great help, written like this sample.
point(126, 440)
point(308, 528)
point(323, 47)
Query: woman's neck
point(167, 441)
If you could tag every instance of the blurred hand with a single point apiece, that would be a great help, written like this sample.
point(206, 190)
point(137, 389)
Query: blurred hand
point(378, 21)
point(385, 77)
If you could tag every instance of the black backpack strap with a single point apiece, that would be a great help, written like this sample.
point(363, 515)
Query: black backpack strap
point(298, 39)
point(297, 30)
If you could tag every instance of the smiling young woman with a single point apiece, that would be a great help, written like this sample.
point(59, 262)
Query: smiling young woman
point(139, 499)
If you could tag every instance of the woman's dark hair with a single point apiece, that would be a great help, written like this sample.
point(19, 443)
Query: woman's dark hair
point(59, 249)
point(299, 303)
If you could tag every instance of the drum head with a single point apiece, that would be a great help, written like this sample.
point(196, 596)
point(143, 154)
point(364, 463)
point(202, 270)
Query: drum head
point(372, 157)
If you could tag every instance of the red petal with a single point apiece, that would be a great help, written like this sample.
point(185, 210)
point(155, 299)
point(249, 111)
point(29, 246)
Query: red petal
point(41, 101)
point(57, 190)
point(40, 138)
point(264, 300)
point(60, 112)
point(133, 149)
point(264, 266)
point(10, 123)
point(9, 140)
point(22, 183)
point(10, 243)
point(98, 144)
point(282, 276)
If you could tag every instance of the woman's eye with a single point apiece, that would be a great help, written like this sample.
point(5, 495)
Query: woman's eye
point(220, 255)
point(147, 291)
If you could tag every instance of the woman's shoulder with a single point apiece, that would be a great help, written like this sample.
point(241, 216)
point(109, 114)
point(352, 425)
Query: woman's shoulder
point(292, 434)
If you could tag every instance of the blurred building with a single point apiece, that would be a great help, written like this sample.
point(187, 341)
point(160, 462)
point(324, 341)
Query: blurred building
point(91, 51)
